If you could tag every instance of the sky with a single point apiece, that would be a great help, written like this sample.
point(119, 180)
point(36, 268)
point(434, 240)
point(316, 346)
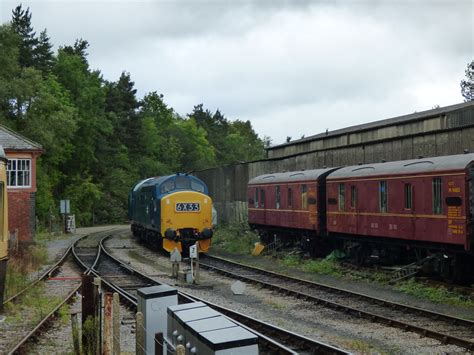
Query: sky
point(293, 68)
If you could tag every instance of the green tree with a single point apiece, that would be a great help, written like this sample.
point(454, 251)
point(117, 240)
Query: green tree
point(467, 86)
point(21, 24)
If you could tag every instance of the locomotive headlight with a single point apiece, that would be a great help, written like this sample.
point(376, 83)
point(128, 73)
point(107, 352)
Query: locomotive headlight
point(207, 233)
point(170, 233)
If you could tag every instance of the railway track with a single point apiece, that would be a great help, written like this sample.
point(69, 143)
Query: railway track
point(125, 280)
point(445, 328)
point(58, 284)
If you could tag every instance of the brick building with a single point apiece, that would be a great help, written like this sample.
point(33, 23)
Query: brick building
point(21, 153)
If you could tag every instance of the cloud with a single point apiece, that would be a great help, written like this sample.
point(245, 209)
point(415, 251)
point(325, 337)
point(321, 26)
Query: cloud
point(291, 67)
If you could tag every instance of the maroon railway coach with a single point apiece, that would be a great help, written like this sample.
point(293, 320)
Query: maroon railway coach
point(289, 205)
point(427, 201)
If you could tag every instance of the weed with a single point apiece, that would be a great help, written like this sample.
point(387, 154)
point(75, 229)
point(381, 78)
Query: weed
point(234, 238)
point(325, 267)
point(434, 294)
point(291, 261)
point(63, 313)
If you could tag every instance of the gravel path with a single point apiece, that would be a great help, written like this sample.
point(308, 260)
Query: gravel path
point(320, 323)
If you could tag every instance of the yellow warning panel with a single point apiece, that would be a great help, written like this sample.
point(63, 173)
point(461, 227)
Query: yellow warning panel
point(257, 250)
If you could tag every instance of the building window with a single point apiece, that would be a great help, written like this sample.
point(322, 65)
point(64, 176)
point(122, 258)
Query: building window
point(437, 189)
point(19, 172)
point(262, 198)
point(383, 200)
point(353, 197)
point(290, 197)
point(304, 197)
point(342, 197)
point(256, 198)
point(408, 196)
point(277, 197)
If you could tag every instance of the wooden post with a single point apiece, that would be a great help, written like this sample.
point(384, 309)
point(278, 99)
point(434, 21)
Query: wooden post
point(139, 335)
point(159, 344)
point(116, 324)
point(88, 314)
point(108, 300)
point(75, 334)
point(180, 350)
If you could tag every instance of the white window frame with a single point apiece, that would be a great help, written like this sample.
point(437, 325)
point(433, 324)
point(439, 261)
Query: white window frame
point(25, 165)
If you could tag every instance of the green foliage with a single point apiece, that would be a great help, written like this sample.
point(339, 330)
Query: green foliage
point(324, 266)
point(98, 138)
point(467, 86)
point(234, 238)
point(434, 294)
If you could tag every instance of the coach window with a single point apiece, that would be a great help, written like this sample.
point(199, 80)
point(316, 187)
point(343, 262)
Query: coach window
point(408, 197)
point(277, 197)
point(290, 197)
point(304, 197)
point(342, 197)
point(256, 198)
point(353, 197)
point(262, 198)
point(437, 198)
point(383, 200)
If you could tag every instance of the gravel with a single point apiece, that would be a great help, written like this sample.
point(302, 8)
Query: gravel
point(335, 328)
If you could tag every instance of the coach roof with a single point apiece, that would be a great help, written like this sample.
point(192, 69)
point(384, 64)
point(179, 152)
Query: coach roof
point(302, 175)
point(414, 166)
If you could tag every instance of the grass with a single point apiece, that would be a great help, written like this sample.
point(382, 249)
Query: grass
point(238, 239)
point(21, 265)
point(234, 238)
point(434, 294)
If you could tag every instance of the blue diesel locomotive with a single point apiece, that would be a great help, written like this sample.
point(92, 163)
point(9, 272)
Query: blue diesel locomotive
point(171, 211)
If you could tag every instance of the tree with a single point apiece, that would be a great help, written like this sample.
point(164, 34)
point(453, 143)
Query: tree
point(21, 24)
point(43, 55)
point(467, 86)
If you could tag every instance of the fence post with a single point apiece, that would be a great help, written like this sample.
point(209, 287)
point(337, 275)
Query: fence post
point(116, 324)
point(139, 335)
point(108, 299)
point(89, 314)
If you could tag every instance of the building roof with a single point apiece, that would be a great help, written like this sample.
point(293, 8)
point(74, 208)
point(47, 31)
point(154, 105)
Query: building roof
point(405, 167)
point(378, 124)
point(302, 175)
point(11, 140)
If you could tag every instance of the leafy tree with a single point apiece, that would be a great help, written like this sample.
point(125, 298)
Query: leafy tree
point(467, 86)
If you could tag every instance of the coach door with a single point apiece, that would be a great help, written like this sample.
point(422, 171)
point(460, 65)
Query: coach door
point(312, 205)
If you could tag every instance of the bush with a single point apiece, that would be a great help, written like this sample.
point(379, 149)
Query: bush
point(234, 238)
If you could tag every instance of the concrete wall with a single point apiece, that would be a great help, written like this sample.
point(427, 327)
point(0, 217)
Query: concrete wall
point(447, 133)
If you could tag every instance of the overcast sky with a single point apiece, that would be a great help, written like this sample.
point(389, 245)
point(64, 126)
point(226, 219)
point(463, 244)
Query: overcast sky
point(291, 67)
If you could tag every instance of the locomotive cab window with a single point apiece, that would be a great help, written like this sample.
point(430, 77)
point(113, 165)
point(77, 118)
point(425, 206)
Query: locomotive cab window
point(197, 186)
point(168, 185)
point(277, 197)
point(182, 182)
point(262, 198)
point(383, 196)
point(290, 197)
point(304, 197)
point(256, 198)
point(437, 196)
point(408, 196)
point(353, 197)
point(342, 197)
